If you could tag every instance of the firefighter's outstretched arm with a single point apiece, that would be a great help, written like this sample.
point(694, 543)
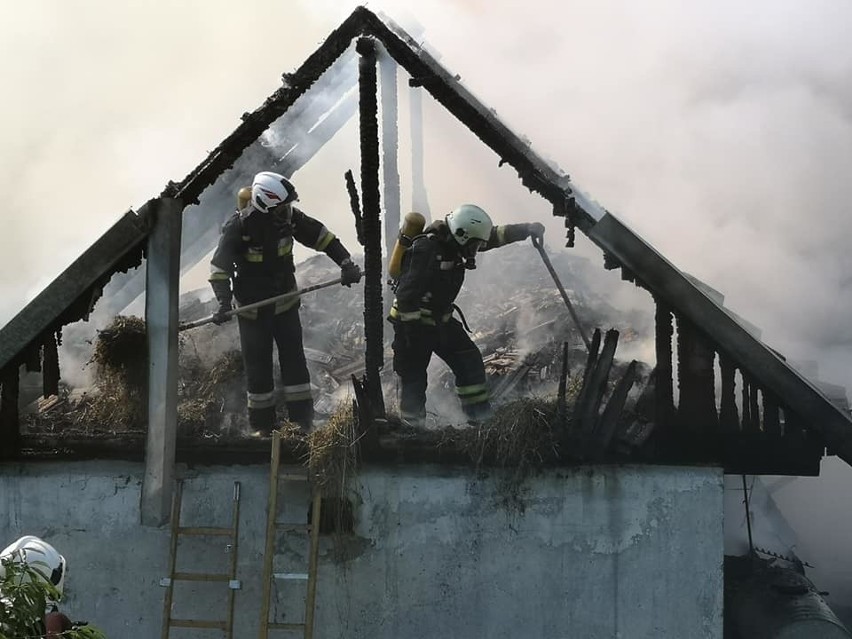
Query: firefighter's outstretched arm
point(509, 233)
point(314, 234)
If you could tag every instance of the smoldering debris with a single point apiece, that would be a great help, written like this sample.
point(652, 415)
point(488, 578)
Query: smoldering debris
point(516, 315)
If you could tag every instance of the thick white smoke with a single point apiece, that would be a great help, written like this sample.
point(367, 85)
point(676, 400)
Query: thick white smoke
point(721, 132)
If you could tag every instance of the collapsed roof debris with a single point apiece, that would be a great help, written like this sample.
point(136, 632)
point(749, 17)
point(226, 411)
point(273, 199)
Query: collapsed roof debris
point(519, 326)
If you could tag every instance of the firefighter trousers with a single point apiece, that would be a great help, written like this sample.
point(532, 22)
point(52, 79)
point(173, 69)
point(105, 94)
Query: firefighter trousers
point(413, 346)
point(257, 337)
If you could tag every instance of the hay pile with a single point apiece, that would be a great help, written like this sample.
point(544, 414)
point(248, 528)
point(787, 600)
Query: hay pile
point(519, 435)
point(203, 395)
point(333, 451)
point(121, 370)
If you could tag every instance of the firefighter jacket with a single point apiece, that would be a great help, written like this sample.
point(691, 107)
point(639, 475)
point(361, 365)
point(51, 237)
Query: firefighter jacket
point(433, 272)
point(256, 252)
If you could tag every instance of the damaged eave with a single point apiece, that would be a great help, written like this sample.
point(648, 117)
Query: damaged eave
point(671, 285)
point(71, 296)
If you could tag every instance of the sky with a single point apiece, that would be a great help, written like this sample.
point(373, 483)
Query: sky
point(721, 132)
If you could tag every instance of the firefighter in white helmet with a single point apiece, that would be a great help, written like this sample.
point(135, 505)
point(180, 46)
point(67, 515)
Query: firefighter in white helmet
point(44, 560)
point(431, 277)
point(255, 252)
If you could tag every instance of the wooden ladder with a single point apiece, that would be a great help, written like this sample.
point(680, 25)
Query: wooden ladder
point(273, 528)
point(230, 578)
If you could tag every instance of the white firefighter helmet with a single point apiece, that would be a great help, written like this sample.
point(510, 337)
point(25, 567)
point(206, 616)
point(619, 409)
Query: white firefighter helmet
point(40, 556)
point(469, 223)
point(268, 190)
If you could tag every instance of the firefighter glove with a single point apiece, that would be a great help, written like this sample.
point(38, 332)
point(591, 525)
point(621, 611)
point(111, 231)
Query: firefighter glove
point(536, 230)
point(220, 316)
point(350, 273)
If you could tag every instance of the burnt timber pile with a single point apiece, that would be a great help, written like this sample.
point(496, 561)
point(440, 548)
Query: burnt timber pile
point(522, 330)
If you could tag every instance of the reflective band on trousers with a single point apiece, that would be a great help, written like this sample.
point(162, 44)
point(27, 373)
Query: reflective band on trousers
point(261, 400)
point(473, 394)
point(297, 392)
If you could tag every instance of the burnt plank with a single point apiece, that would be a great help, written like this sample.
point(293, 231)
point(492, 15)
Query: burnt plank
point(608, 422)
point(597, 384)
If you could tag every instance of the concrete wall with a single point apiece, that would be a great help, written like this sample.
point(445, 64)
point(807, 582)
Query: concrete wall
point(597, 552)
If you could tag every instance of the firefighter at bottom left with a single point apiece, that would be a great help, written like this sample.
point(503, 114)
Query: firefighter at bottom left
point(42, 559)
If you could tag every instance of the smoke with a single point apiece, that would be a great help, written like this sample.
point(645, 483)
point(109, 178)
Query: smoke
point(721, 132)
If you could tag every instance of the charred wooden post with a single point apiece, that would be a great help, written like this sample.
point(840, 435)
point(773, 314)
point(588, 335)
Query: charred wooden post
point(696, 379)
point(794, 426)
point(591, 360)
point(594, 392)
point(355, 205)
point(729, 421)
point(771, 419)
point(746, 403)
point(754, 406)
point(371, 212)
point(50, 364)
point(561, 403)
point(32, 359)
point(608, 422)
point(663, 382)
point(10, 433)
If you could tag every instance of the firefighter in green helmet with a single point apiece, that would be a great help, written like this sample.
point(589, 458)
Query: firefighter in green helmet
point(430, 279)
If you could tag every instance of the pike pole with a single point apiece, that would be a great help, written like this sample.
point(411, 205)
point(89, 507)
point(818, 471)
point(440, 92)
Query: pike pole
point(562, 292)
point(260, 304)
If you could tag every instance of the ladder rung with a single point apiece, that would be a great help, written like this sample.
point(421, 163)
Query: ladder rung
point(297, 576)
point(200, 576)
point(198, 623)
point(190, 530)
point(287, 527)
point(286, 626)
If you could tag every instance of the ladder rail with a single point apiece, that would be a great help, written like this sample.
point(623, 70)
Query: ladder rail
point(226, 625)
point(312, 564)
point(173, 543)
point(269, 547)
point(229, 632)
point(272, 528)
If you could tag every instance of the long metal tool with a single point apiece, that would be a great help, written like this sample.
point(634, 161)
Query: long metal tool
point(561, 288)
point(262, 303)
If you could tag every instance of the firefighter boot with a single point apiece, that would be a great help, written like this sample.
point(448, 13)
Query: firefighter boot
point(302, 413)
point(262, 420)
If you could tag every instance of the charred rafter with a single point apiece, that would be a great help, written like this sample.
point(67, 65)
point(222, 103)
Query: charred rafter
point(371, 218)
